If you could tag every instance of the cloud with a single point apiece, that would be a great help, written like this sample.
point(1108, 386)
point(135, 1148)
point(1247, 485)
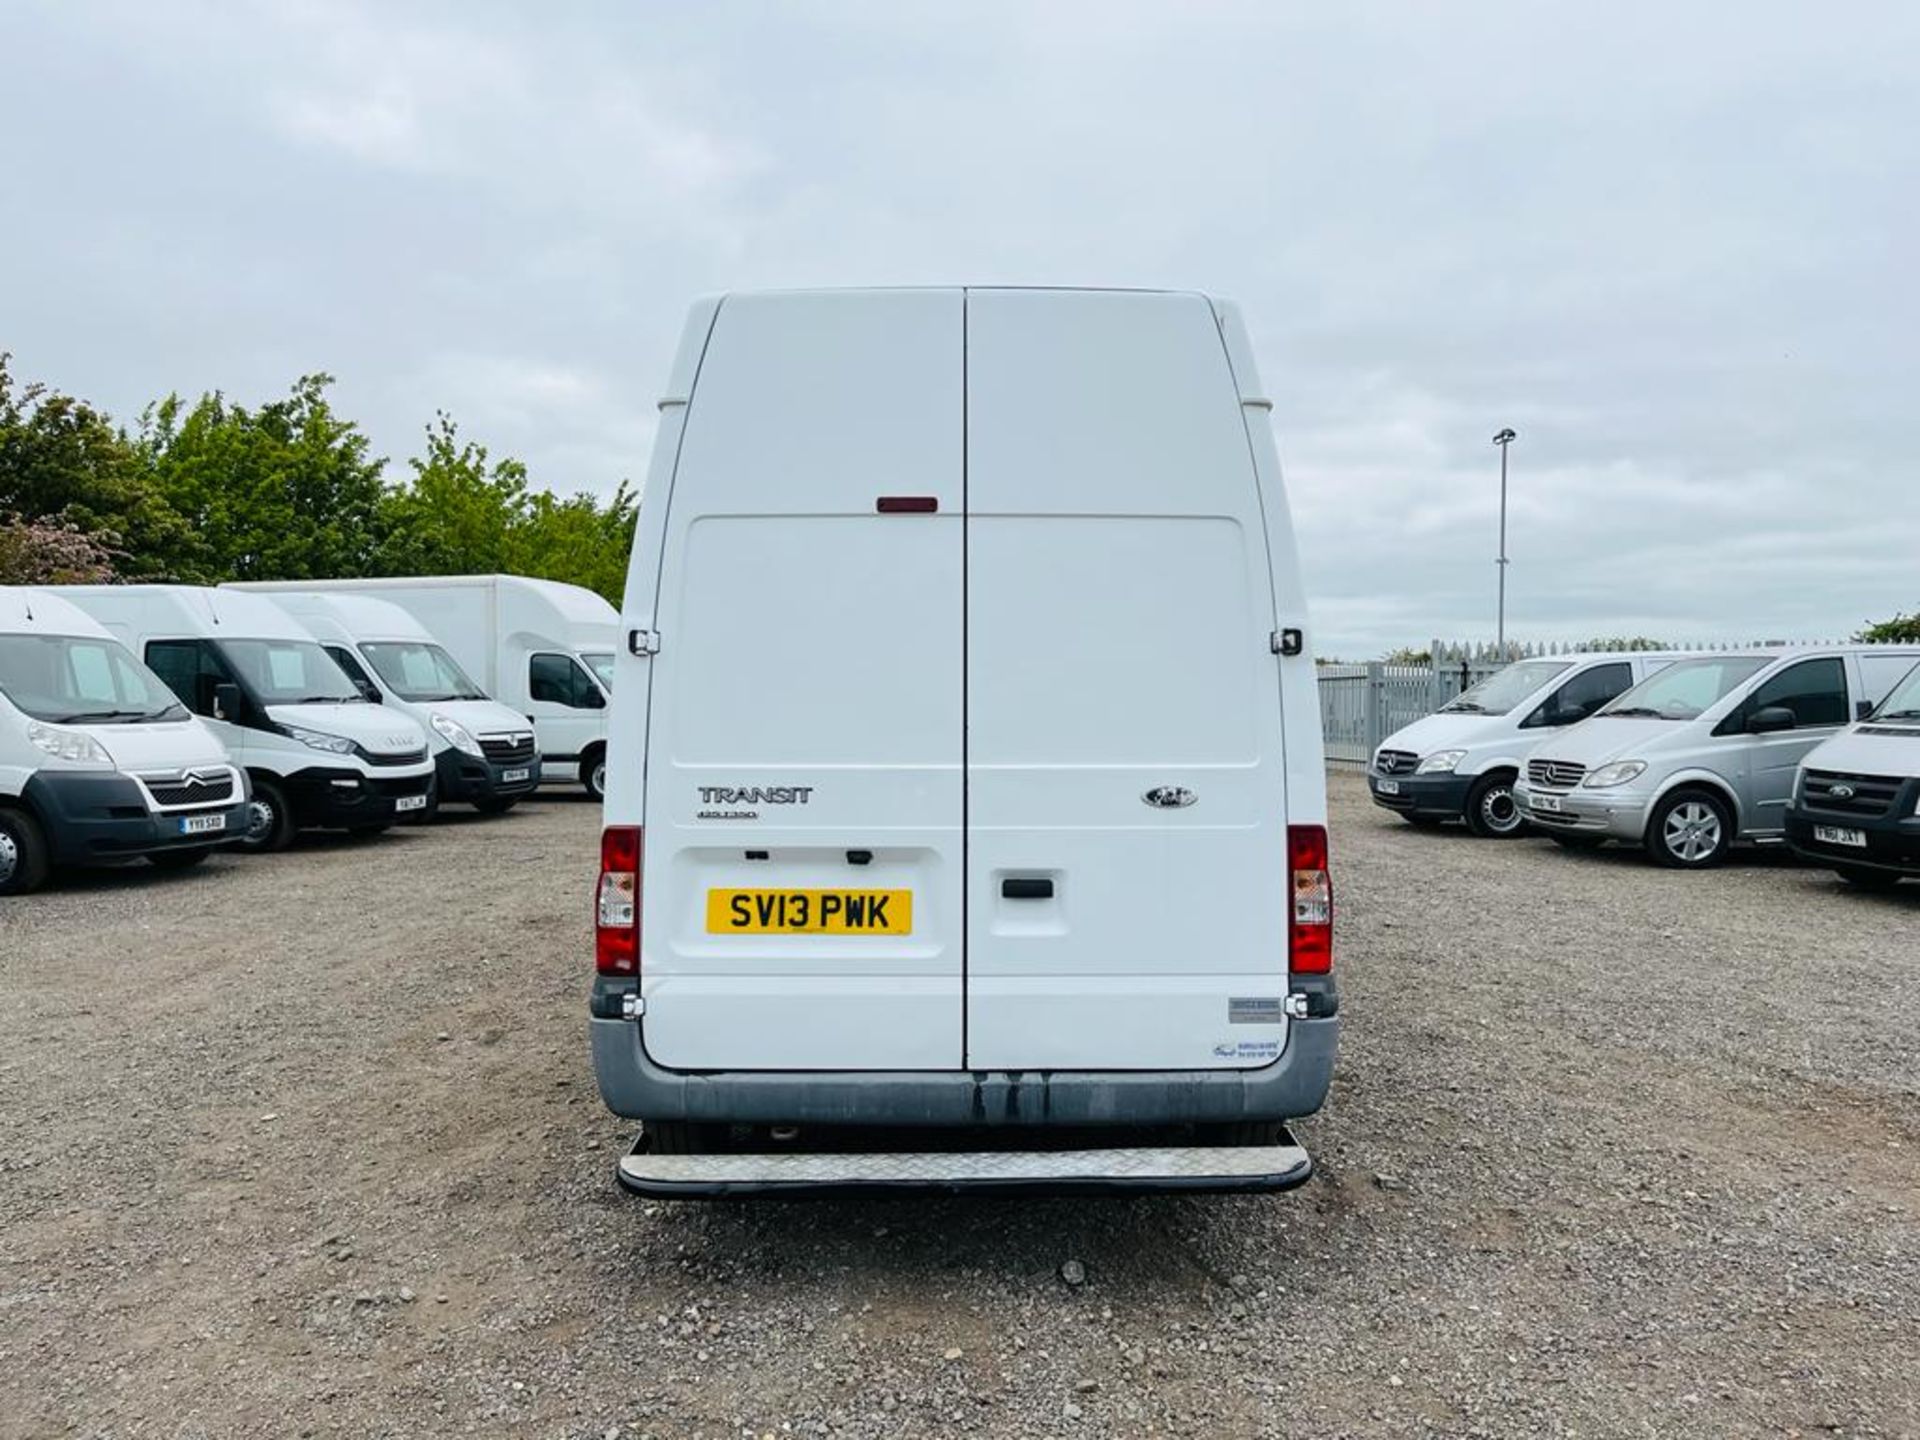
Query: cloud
point(1666, 245)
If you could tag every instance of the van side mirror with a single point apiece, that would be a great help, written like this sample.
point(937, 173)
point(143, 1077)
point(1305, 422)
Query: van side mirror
point(369, 691)
point(228, 702)
point(1770, 719)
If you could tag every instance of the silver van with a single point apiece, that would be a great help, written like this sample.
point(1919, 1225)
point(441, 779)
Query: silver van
point(1703, 754)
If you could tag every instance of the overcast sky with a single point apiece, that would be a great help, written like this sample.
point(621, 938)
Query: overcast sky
point(1673, 246)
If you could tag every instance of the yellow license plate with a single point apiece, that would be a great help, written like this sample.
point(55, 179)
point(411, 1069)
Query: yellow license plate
point(809, 912)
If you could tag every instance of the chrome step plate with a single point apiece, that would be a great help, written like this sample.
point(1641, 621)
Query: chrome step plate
point(1201, 1167)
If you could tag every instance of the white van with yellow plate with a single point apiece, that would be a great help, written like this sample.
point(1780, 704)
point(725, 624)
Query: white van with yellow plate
point(965, 815)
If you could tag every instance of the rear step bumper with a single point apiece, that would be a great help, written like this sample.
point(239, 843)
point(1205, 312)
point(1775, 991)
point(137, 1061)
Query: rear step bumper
point(1219, 1169)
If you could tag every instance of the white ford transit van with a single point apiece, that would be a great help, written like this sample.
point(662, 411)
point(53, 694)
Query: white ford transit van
point(319, 756)
point(483, 752)
point(98, 761)
point(1702, 755)
point(965, 771)
point(1460, 762)
point(540, 646)
point(1856, 804)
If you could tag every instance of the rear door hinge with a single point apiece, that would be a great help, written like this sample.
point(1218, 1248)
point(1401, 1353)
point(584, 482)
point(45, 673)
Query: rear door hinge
point(643, 642)
point(1290, 641)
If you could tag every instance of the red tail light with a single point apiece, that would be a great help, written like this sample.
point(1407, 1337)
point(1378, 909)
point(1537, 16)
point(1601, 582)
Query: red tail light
point(616, 918)
point(1310, 935)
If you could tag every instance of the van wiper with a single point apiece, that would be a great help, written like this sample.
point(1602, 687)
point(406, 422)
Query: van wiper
point(1463, 707)
point(1899, 715)
point(316, 700)
point(100, 717)
point(1646, 710)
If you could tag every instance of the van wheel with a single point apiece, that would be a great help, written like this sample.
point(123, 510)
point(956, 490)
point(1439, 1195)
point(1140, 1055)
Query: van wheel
point(178, 859)
point(1491, 811)
point(23, 853)
point(1690, 830)
point(269, 821)
point(1861, 879)
point(680, 1137)
point(593, 773)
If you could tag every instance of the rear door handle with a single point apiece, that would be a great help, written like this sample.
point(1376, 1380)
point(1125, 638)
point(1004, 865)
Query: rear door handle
point(1019, 887)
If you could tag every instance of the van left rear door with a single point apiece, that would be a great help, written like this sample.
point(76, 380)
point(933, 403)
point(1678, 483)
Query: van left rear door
point(803, 847)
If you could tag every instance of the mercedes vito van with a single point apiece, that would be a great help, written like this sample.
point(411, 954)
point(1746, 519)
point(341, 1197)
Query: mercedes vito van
point(1460, 763)
point(1702, 755)
point(483, 752)
point(965, 771)
point(1856, 804)
point(319, 756)
point(98, 760)
point(543, 647)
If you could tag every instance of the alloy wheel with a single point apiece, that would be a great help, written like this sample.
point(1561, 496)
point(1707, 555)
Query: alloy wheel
point(1498, 811)
point(1692, 831)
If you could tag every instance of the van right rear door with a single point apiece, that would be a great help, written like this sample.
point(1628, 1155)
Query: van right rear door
point(1126, 779)
point(803, 846)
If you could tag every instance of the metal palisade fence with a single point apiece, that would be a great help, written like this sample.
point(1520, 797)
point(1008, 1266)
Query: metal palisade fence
point(1362, 704)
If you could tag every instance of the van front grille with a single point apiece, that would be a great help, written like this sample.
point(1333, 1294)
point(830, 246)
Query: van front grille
point(211, 789)
point(1555, 774)
point(1395, 762)
point(508, 749)
point(1850, 794)
point(405, 757)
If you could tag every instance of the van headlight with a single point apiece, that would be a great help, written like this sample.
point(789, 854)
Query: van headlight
point(320, 740)
point(455, 734)
point(1440, 762)
point(1618, 773)
point(76, 747)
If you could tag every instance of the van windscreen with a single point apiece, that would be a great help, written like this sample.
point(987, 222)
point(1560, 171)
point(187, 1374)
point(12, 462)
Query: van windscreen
point(65, 679)
point(1686, 689)
point(290, 672)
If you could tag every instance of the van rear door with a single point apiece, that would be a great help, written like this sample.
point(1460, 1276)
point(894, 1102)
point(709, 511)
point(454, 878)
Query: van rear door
point(803, 845)
point(1127, 866)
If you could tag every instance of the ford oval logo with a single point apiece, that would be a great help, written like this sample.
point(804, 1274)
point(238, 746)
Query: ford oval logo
point(1842, 792)
point(1169, 797)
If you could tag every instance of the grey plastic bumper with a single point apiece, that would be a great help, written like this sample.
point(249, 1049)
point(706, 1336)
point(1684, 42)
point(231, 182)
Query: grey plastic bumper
point(1295, 1084)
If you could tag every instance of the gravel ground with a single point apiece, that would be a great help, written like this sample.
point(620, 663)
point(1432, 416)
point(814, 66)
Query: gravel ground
point(309, 1145)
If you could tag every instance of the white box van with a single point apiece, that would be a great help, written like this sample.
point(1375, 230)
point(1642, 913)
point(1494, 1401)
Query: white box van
point(319, 756)
point(540, 646)
point(967, 752)
point(1702, 755)
point(98, 761)
point(483, 752)
point(1856, 804)
point(1460, 763)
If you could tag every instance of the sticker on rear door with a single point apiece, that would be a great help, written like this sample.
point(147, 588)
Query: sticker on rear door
point(809, 912)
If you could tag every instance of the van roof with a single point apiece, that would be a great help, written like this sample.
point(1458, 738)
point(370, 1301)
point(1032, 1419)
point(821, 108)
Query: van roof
point(572, 602)
point(352, 615)
point(190, 610)
point(31, 610)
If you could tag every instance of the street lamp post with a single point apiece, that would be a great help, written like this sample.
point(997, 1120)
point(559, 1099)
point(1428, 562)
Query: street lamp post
point(1503, 440)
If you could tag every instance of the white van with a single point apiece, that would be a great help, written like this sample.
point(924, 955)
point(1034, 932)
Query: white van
point(543, 647)
point(98, 761)
point(1856, 804)
point(1460, 763)
point(1702, 754)
point(483, 753)
point(319, 756)
point(967, 741)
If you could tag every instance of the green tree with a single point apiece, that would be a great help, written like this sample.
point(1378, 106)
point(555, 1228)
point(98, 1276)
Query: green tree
point(1901, 628)
point(1625, 642)
point(458, 514)
point(579, 540)
point(285, 492)
point(65, 465)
